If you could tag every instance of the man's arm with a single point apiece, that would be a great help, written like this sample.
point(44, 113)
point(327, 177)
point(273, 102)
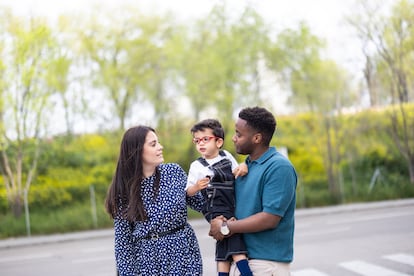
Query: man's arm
point(255, 223)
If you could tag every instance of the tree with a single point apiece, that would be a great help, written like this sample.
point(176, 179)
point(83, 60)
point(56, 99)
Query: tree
point(160, 37)
point(67, 78)
point(392, 42)
point(26, 97)
point(318, 86)
point(122, 50)
point(220, 68)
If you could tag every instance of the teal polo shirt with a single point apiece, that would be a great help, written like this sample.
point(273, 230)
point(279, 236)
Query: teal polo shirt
point(269, 186)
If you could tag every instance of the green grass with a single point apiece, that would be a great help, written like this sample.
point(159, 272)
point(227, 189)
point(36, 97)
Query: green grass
point(194, 214)
point(48, 221)
point(78, 217)
point(62, 220)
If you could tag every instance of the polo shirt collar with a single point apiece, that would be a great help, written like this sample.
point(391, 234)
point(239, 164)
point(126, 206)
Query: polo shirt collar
point(265, 156)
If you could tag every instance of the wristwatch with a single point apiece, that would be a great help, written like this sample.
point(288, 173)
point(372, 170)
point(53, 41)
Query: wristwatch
point(224, 229)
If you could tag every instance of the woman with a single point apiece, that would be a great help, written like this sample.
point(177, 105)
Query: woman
point(148, 203)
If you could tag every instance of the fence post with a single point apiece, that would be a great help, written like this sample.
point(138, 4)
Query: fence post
point(375, 177)
point(93, 206)
point(26, 212)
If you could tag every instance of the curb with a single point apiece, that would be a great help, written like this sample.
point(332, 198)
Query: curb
point(351, 207)
point(93, 234)
point(54, 238)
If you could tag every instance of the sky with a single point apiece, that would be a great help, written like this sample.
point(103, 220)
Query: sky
point(326, 19)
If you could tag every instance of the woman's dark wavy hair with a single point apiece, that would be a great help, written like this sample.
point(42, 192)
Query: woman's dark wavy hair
point(124, 196)
point(261, 120)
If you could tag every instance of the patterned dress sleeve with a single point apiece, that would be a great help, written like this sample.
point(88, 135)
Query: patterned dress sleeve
point(196, 201)
point(124, 247)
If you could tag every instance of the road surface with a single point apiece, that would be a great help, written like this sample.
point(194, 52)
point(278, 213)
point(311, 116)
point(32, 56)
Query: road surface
point(375, 239)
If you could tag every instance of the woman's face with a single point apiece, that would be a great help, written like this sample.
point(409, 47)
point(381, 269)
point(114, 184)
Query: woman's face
point(152, 151)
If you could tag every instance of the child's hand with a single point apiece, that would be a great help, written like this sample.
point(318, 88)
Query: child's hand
point(203, 183)
point(240, 170)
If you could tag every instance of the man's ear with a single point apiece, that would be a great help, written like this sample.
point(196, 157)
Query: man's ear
point(257, 138)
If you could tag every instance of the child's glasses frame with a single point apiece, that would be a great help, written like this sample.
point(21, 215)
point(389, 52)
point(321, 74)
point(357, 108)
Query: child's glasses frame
point(204, 139)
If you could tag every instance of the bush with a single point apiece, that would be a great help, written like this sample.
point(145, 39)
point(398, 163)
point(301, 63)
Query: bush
point(59, 197)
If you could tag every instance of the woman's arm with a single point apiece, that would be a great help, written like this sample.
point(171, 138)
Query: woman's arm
point(124, 247)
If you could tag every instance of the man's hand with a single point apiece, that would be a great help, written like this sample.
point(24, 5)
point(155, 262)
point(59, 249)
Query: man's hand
point(215, 225)
point(241, 170)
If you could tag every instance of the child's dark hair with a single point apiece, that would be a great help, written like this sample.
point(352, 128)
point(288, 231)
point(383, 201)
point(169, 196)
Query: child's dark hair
point(212, 124)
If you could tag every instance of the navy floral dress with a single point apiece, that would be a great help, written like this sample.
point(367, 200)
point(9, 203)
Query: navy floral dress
point(175, 251)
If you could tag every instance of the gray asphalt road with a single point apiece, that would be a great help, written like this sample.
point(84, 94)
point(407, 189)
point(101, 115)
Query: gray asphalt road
point(375, 239)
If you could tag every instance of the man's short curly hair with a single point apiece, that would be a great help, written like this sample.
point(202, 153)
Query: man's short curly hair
point(261, 120)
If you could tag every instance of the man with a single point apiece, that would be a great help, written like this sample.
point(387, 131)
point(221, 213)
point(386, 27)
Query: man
point(265, 197)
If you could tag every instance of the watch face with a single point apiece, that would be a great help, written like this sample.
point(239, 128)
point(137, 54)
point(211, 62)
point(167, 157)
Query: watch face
point(224, 230)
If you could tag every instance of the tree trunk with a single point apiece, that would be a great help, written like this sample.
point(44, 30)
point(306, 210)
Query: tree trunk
point(16, 204)
point(411, 170)
point(370, 80)
point(332, 177)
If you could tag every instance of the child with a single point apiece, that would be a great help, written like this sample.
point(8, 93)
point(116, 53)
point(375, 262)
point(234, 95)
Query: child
point(213, 174)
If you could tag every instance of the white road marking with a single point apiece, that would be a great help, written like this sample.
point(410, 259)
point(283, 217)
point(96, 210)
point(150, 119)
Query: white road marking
point(308, 272)
point(369, 218)
point(25, 258)
point(97, 249)
point(367, 269)
point(90, 260)
point(401, 258)
point(323, 232)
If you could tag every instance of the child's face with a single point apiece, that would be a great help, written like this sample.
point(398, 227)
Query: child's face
point(206, 143)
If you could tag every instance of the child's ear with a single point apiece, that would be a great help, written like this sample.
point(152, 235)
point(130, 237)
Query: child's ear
point(219, 142)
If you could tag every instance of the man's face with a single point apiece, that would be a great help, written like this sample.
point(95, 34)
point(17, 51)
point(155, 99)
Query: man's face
point(243, 138)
